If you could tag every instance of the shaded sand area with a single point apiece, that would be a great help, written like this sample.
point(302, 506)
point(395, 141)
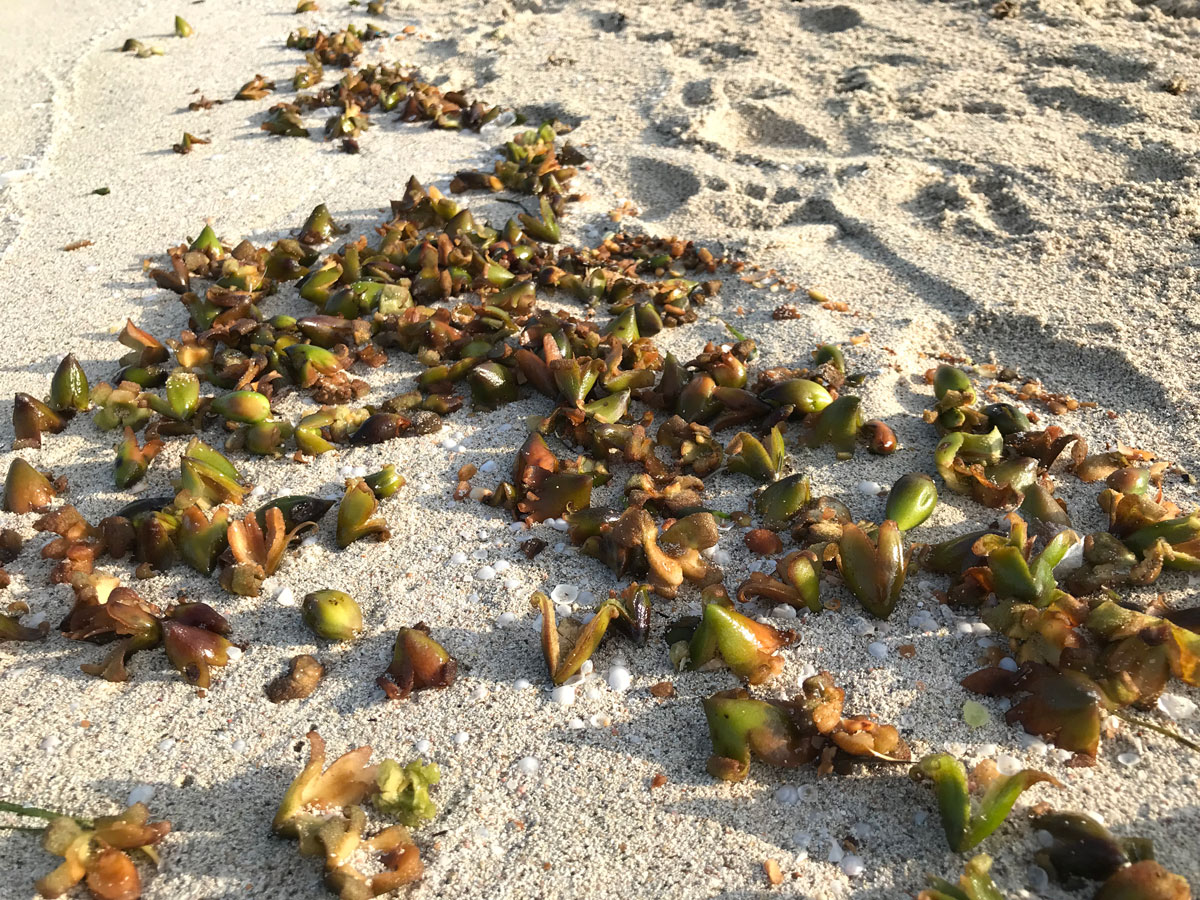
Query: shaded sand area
point(1019, 191)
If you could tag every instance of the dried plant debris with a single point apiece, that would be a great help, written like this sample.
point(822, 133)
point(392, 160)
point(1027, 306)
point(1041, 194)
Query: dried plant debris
point(360, 93)
point(98, 852)
point(188, 141)
point(323, 809)
point(304, 674)
point(418, 663)
point(790, 733)
point(749, 649)
point(975, 883)
point(569, 643)
point(965, 828)
point(621, 457)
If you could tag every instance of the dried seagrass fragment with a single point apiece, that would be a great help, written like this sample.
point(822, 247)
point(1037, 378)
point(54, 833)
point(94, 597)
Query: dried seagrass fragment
point(356, 517)
point(965, 827)
point(975, 883)
point(797, 582)
point(791, 733)
point(303, 676)
point(873, 570)
point(95, 851)
point(31, 417)
point(69, 387)
point(404, 791)
point(780, 501)
point(911, 500)
point(418, 663)
point(26, 489)
point(750, 649)
point(347, 781)
point(333, 615)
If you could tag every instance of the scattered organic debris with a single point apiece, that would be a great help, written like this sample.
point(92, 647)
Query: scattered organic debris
point(323, 810)
point(187, 142)
point(96, 851)
point(304, 674)
point(463, 297)
point(794, 732)
point(965, 828)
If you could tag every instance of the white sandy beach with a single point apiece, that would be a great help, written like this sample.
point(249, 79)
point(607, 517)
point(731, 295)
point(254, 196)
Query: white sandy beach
point(1019, 191)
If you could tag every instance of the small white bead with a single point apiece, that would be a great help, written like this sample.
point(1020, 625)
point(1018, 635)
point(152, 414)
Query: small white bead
point(619, 678)
point(458, 558)
point(1008, 664)
point(239, 746)
point(1173, 706)
point(233, 654)
point(501, 565)
point(423, 746)
point(480, 693)
point(459, 738)
point(787, 795)
point(511, 584)
point(285, 597)
point(143, 793)
point(586, 668)
point(1008, 765)
point(877, 649)
point(166, 744)
point(521, 684)
point(600, 720)
point(1129, 758)
point(528, 765)
point(564, 593)
point(485, 573)
point(576, 724)
point(852, 865)
point(563, 694)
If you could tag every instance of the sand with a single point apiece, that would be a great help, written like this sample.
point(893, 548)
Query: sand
point(1020, 191)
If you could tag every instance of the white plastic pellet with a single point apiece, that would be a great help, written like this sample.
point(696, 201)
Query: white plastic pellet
point(143, 793)
point(619, 678)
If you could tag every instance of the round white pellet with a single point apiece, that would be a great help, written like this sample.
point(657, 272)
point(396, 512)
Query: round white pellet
point(564, 593)
point(563, 694)
point(485, 573)
point(143, 793)
point(423, 746)
point(852, 865)
point(528, 766)
point(285, 597)
point(619, 678)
